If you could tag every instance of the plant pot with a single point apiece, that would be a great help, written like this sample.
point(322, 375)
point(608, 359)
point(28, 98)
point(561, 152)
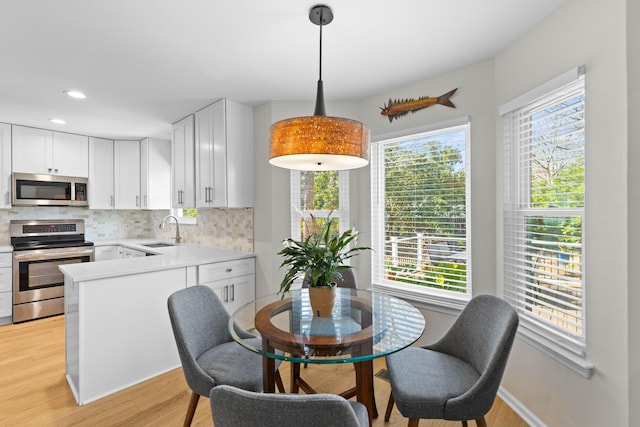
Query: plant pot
point(322, 300)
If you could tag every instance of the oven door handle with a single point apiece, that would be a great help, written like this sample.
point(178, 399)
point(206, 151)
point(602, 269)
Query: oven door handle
point(26, 256)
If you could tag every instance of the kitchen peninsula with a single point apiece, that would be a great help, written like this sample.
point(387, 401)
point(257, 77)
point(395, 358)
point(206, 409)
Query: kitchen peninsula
point(118, 331)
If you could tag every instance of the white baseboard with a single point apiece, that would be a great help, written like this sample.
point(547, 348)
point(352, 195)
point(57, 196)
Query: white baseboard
point(524, 413)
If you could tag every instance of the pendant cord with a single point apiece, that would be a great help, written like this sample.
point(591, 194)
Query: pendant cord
point(320, 64)
point(320, 109)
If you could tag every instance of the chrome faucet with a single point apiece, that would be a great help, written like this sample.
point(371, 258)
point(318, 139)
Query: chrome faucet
point(162, 225)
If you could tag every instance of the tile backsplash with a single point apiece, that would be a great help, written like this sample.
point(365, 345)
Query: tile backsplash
point(224, 228)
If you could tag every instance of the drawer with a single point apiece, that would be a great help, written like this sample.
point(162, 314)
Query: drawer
point(6, 276)
point(226, 270)
point(6, 304)
point(6, 259)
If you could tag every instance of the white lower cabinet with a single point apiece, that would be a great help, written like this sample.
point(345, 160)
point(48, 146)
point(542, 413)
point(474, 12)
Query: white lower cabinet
point(233, 281)
point(235, 292)
point(6, 290)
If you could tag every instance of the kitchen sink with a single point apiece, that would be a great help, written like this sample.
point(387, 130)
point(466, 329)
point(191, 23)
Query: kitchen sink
point(158, 245)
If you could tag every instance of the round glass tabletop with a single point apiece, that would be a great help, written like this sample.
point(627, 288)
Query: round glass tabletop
point(364, 325)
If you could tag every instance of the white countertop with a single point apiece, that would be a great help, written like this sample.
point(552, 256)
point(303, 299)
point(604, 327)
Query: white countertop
point(165, 258)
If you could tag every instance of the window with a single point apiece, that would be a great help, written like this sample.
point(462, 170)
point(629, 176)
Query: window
point(420, 203)
point(318, 195)
point(185, 215)
point(543, 214)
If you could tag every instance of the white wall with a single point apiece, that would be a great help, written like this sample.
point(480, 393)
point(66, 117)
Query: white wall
point(633, 73)
point(589, 32)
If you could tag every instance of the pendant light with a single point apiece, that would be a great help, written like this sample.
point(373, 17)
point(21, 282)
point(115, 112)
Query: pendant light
point(319, 142)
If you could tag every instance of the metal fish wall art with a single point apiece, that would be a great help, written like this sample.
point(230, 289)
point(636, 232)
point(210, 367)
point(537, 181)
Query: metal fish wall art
point(399, 108)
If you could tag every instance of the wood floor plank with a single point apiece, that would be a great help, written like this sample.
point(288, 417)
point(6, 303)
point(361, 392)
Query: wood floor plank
point(34, 391)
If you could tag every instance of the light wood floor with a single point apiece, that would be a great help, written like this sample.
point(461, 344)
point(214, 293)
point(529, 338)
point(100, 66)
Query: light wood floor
point(34, 391)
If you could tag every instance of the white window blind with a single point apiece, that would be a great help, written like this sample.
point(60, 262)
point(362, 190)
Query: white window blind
point(543, 214)
point(420, 213)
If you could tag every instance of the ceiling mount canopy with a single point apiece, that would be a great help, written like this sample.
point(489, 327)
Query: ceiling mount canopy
point(319, 142)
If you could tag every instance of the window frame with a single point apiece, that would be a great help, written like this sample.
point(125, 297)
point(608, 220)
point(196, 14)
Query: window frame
point(552, 340)
point(342, 213)
point(187, 220)
point(297, 214)
point(440, 300)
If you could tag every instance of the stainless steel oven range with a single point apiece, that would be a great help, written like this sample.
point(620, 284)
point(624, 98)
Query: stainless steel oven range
point(39, 247)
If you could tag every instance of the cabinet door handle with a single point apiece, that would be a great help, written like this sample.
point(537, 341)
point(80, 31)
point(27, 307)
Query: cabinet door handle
point(56, 170)
point(137, 201)
point(49, 170)
point(233, 292)
point(229, 270)
point(226, 293)
point(111, 197)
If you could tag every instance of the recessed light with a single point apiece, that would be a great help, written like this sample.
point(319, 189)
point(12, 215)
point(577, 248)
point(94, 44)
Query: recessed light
point(58, 121)
point(75, 94)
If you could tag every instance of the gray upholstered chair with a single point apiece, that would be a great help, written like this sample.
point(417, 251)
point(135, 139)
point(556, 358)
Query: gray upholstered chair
point(208, 353)
point(457, 377)
point(233, 407)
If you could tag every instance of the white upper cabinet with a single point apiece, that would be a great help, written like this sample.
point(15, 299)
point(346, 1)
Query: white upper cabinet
point(43, 151)
point(224, 155)
point(5, 165)
point(101, 180)
point(155, 174)
point(127, 174)
point(70, 154)
point(210, 137)
point(183, 164)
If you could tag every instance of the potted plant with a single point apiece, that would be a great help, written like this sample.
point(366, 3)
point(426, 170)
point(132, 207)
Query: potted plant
point(318, 257)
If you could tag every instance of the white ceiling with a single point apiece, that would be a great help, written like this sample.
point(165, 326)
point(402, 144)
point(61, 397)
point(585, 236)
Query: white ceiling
point(147, 63)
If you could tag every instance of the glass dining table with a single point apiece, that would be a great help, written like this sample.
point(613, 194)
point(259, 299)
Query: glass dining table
point(364, 325)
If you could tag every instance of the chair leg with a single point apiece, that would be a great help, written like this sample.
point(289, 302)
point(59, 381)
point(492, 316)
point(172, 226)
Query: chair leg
point(413, 422)
point(191, 410)
point(387, 414)
point(464, 423)
point(481, 422)
point(279, 382)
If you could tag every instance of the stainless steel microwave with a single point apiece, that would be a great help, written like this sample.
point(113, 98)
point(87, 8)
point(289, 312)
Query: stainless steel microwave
point(49, 190)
